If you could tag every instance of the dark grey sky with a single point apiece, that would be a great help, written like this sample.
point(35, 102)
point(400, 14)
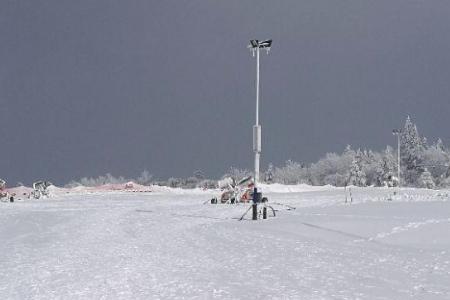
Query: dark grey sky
point(89, 87)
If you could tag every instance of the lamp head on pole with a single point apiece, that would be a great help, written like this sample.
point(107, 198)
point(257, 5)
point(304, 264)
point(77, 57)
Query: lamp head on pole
point(255, 44)
point(396, 132)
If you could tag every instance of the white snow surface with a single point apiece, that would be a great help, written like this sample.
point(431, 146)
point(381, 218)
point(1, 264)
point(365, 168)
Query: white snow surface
point(168, 244)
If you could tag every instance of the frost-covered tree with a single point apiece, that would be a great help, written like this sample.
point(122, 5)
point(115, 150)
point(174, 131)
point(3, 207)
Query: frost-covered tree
point(268, 174)
point(357, 176)
point(370, 164)
point(145, 178)
point(439, 145)
point(437, 160)
point(174, 182)
point(237, 174)
point(411, 152)
point(326, 166)
point(347, 158)
point(445, 182)
point(386, 170)
point(426, 180)
point(333, 168)
point(207, 184)
point(101, 180)
point(335, 179)
point(190, 182)
point(291, 173)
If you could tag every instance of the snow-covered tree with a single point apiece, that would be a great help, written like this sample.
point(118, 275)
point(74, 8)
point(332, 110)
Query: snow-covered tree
point(145, 178)
point(346, 159)
point(333, 168)
point(268, 174)
point(437, 160)
point(386, 170)
point(370, 164)
point(237, 174)
point(426, 180)
point(411, 152)
point(174, 182)
point(439, 145)
point(207, 184)
point(335, 179)
point(445, 182)
point(328, 165)
point(100, 180)
point(292, 173)
point(357, 176)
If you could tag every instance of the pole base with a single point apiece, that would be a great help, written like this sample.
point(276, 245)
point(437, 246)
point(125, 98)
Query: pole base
point(254, 211)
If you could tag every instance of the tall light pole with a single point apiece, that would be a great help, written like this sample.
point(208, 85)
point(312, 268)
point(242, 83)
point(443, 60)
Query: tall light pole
point(397, 132)
point(254, 46)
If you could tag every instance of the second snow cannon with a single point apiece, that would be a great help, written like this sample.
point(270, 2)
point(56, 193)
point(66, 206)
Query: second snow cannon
point(40, 189)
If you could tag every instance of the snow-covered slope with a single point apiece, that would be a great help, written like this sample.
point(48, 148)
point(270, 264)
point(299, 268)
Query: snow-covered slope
point(168, 244)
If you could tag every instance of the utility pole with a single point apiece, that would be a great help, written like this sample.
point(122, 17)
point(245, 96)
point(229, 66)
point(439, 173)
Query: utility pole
point(254, 46)
point(397, 132)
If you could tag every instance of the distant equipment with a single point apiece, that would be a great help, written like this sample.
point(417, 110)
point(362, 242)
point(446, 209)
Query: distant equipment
point(40, 189)
point(5, 196)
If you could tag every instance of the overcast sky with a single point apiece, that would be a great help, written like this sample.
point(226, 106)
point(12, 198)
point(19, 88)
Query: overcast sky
point(90, 87)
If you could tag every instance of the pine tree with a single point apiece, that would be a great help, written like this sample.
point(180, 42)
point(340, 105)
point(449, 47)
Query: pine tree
point(346, 160)
point(386, 168)
point(357, 176)
point(411, 152)
point(370, 163)
point(268, 175)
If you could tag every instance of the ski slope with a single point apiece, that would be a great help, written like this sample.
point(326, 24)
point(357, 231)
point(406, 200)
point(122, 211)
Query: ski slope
point(167, 244)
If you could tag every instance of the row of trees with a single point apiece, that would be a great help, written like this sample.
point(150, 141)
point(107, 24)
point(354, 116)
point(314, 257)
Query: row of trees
point(352, 167)
point(145, 178)
point(422, 165)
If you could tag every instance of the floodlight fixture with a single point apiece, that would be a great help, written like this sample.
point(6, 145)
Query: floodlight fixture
point(256, 44)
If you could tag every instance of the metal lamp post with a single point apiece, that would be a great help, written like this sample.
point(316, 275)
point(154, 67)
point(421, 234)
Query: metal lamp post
point(397, 132)
point(254, 46)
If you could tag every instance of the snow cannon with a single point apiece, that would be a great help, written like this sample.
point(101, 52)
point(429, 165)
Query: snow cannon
point(246, 181)
point(233, 192)
point(4, 195)
point(129, 185)
point(40, 189)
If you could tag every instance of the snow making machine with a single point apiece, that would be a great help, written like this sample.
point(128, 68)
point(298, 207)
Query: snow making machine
point(5, 196)
point(235, 192)
point(40, 189)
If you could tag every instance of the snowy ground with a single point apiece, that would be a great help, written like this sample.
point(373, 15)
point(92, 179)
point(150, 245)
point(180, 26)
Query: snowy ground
point(168, 245)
